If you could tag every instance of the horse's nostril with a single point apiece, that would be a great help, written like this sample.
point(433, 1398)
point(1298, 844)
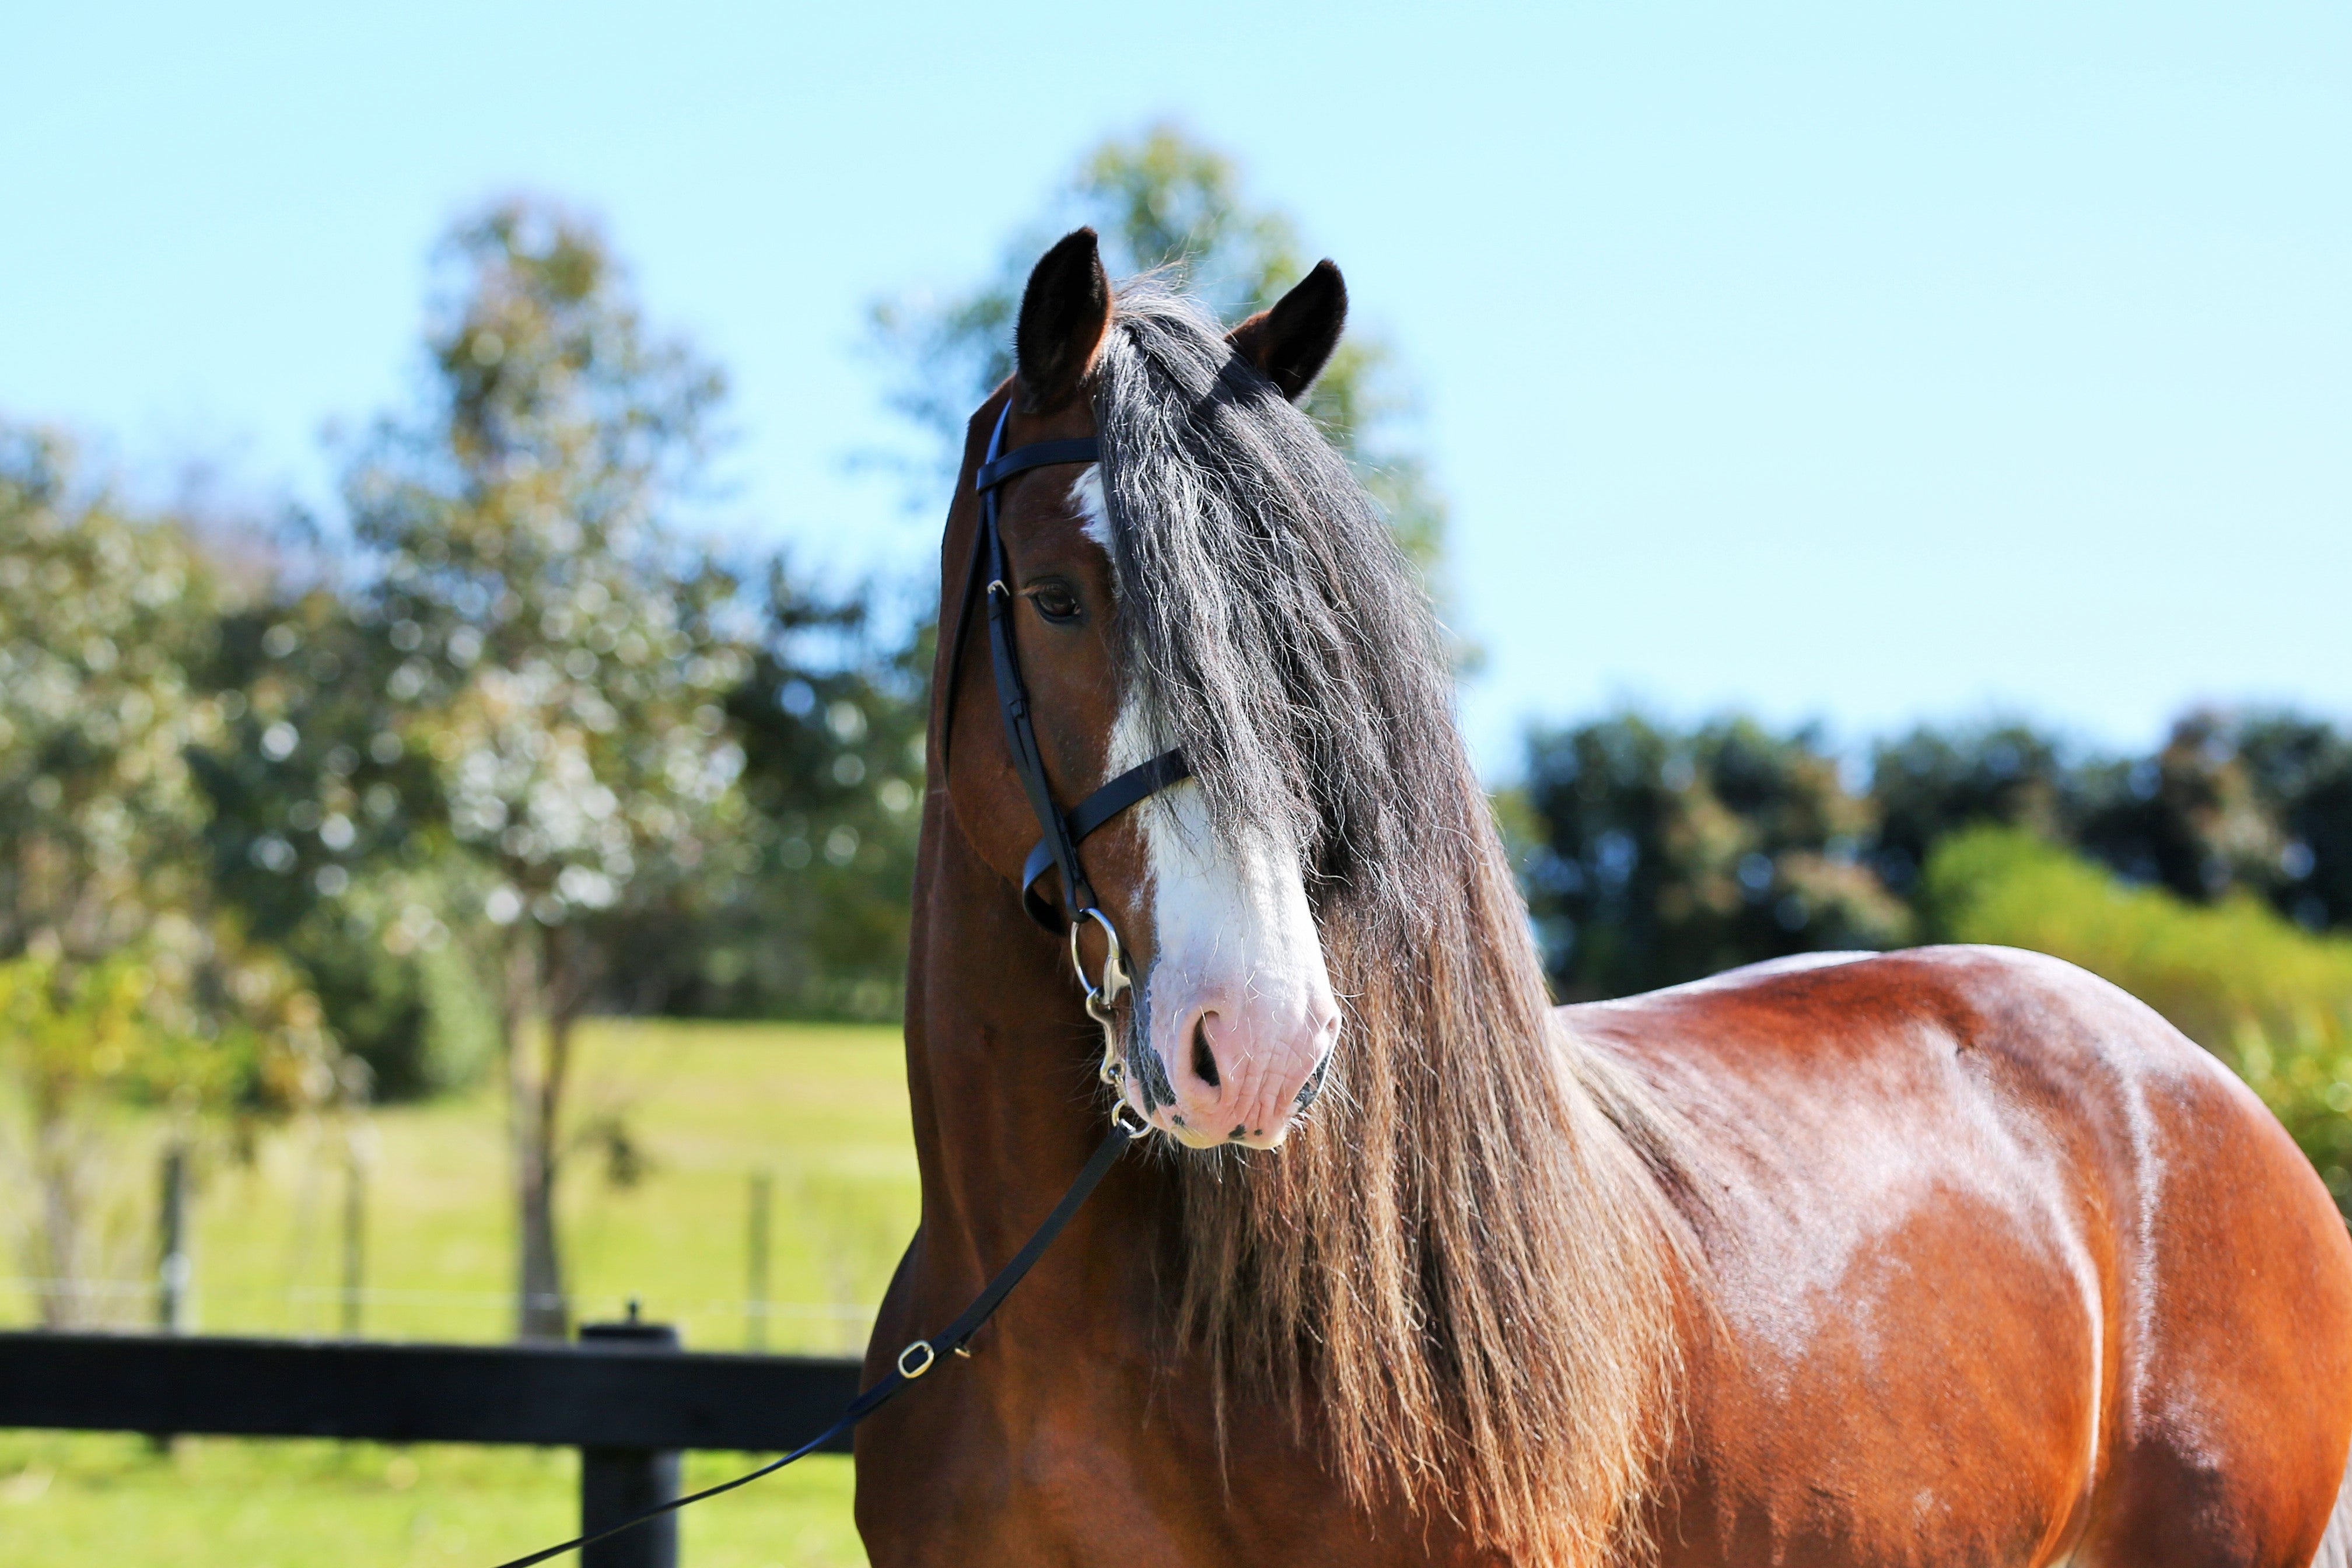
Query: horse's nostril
point(1205, 1061)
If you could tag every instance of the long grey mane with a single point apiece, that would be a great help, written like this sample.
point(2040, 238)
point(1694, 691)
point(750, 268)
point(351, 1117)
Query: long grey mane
point(1271, 623)
point(1458, 1278)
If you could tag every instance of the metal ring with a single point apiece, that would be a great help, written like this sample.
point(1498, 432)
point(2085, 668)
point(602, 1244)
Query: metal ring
point(921, 1367)
point(1127, 1116)
point(1114, 980)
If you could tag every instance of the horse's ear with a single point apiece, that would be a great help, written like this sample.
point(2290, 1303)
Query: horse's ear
point(1293, 342)
point(1064, 311)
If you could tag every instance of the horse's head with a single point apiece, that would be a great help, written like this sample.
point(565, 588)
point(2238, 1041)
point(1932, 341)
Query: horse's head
point(1197, 569)
point(1230, 1021)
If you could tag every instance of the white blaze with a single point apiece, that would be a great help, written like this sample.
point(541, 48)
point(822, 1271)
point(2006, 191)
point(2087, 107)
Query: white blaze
point(1237, 963)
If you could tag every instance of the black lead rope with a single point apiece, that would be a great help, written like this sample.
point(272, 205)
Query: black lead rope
point(1125, 1128)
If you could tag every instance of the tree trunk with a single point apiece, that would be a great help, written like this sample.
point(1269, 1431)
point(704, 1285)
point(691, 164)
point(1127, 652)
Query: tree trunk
point(61, 1299)
point(543, 1313)
point(535, 1091)
point(57, 1173)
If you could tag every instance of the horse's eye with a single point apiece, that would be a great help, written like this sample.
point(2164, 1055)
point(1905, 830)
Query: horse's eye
point(1055, 602)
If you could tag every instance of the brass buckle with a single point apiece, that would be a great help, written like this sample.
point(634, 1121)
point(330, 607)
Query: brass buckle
point(921, 1367)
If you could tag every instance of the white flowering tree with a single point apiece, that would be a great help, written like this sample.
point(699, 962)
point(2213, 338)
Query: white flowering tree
point(552, 645)
point(99, 617)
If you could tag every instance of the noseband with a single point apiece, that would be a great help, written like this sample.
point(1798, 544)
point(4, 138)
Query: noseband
point(1058, 848)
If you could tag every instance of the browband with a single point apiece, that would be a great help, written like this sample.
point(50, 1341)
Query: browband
point(1036, 455)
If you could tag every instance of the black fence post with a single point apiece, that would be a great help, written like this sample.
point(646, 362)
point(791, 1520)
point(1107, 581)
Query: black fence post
point(617, 1482)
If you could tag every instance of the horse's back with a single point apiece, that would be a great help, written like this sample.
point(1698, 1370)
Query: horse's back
point(1998, 1267)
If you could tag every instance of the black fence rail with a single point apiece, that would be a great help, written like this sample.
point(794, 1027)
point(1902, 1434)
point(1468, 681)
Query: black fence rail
point(625, 1395)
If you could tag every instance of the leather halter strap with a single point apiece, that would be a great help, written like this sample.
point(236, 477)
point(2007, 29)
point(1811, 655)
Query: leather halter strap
point(1139, 783)
point(1036, 455)
point(1058, 849)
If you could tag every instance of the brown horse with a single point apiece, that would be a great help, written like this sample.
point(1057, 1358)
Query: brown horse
point(1953, 1257)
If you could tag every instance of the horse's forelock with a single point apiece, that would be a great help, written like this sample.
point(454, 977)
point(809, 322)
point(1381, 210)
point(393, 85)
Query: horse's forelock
point(1463, 1258)
point(1271, 624)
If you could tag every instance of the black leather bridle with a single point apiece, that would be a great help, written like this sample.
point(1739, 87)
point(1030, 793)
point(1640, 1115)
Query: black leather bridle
point(1063, 832)
point(1058, 849)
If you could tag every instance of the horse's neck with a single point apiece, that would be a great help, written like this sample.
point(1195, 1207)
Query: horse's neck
point(1001, 1066)
point(1000, 1071)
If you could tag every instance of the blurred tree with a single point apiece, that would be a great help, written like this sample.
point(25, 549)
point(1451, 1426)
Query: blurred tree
point(100, 618)
point(120, 978)
point(1656, 858)
point(2259, 800)
point(190, 1020)
point(832, 718)
point(1161, 200)
point(1622, 839)
point(1930, 783)
point(554, 653)
point(2190, 818)
point(327, 830)
point(2302, 772)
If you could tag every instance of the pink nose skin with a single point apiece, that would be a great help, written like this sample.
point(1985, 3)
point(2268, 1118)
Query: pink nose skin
point(1237, 1073)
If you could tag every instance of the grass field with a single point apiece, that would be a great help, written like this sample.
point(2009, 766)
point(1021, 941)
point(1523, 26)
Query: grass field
point(702, 1109)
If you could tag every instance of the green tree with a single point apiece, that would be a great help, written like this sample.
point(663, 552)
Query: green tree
point(1931, 782)
point(1627, 825)
point(100, 618)
point(554, 646)
point(2301, 771)
point(2190, 817)
point(1651, 857)
point(326, 830)
point(2255, 801)
point(1161, 201)
point(121, 978)
point(832, 718)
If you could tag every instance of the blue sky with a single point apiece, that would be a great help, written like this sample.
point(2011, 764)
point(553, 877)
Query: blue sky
point(1868, 362)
